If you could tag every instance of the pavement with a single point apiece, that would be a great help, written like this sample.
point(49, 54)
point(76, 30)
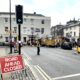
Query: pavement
point(31, 75)
point(4, 52)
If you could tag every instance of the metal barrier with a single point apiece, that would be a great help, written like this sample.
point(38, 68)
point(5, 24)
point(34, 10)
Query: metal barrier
point(24, 74)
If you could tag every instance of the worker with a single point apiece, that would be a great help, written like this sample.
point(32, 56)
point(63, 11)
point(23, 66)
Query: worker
point(38, 48)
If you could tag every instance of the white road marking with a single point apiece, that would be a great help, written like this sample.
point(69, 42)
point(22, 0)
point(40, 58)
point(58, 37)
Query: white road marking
point(28, 57)
point(67, 76)
point(40, 72)
point(44, 75)
point(32, 70)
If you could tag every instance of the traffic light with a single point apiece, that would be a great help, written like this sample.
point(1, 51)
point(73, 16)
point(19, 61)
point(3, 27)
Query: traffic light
point(19, 14)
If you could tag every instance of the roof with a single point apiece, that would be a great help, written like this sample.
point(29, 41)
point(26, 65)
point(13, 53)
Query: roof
point(26, 14)
point(57, 26)
point(72, 24)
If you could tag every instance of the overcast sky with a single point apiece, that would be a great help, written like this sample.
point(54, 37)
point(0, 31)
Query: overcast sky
point(60, 11)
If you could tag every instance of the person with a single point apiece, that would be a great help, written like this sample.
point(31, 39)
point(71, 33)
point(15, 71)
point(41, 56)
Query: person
point(15, 46)
point(38, 48)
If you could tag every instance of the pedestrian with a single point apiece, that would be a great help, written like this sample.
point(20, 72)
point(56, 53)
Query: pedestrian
point(15, 47)
point(38, 48)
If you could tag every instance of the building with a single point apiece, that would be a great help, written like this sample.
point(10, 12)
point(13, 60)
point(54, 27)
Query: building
point(34, 25)
point(57, 30)
point(72, 29)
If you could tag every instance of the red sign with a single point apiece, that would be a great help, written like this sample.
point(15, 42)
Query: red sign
point(12, 63)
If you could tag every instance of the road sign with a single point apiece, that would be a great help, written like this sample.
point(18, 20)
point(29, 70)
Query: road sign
point(11, 63)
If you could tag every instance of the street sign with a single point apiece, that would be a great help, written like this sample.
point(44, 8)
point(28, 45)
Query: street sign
point(11, 63)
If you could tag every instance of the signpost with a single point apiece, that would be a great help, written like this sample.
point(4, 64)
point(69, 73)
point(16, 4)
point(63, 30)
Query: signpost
point(11, 64)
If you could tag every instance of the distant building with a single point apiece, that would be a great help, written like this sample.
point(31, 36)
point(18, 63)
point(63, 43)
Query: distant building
point(72, 29)
point(57, 30)
point(33, 24)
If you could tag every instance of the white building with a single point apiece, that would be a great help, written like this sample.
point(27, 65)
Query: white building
point(72, 29)
point(57, 30)
point(33, 24)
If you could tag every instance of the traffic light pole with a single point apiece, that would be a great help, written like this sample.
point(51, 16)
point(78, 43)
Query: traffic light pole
point(19, 21)
point(19, 37)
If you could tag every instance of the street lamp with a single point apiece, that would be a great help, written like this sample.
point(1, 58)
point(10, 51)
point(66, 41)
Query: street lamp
point(10, 27)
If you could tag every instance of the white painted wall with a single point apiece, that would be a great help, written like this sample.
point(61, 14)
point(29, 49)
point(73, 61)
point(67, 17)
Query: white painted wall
point(36, 24)
point(72, 29)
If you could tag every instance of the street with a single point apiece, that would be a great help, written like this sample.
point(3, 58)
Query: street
point(55, 63)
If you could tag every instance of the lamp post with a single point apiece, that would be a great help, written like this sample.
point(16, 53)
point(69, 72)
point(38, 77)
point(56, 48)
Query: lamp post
point(10, 27)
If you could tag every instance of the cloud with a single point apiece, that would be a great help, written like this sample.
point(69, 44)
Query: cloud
point(58, 10)
point(42, 4)
point(69, 12)
point(4, 5)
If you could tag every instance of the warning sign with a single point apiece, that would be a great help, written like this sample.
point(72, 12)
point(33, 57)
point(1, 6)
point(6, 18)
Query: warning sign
point(12, 63)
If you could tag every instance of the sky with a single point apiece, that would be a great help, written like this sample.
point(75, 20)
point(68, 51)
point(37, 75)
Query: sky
point(60, 11)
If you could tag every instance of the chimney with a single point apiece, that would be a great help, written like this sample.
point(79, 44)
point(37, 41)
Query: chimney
point(34, 12)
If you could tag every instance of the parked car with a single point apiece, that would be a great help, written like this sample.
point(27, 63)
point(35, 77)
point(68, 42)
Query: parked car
point(66, 44)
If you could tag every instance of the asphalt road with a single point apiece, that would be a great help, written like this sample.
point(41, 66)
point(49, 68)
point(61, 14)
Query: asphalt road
point(56, 63)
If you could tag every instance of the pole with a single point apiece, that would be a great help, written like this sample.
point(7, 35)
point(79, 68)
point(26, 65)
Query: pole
point(10, 28)
point(19, 38)
point(1, 77)
point(79, 30)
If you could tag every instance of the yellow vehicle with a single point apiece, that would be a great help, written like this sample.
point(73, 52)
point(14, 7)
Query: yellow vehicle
point(49, 41)
point(78, 45)
point(43, 42)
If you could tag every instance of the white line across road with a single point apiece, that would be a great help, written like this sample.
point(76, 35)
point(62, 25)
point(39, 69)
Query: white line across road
point(41, 71)
point(67, 76)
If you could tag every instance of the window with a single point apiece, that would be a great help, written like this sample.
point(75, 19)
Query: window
point(32, 20)
point(37, 30)
point(15, 38)
point(70, 28)
point(6, 19)
point(74, 28)
point(42, 30)
point(24, 38)
point(74, 33)
point(67, 34)
point(6, 39)
point(70, 34)
point(32, 30)
point(42, 22)
point(66, 29)
point(24, 19)
point(14, 19)
point(15, 29)
point(6, 29)
point(24, 29)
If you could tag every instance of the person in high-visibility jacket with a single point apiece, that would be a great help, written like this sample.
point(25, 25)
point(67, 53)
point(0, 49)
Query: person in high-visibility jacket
point(78, 45)
point(38, 48)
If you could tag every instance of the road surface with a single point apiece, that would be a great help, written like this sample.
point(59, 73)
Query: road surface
point(55, 63)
